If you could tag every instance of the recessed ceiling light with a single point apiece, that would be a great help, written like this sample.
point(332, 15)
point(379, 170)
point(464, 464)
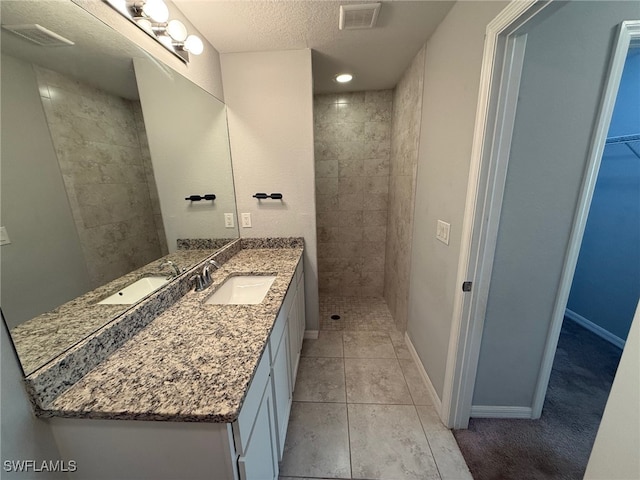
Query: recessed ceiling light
point(344, 78)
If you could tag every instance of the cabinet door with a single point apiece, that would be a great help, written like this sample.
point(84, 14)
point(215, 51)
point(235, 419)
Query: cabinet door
point(294, 341)
point(302, 323)
point(259, 461)
point(280, 377)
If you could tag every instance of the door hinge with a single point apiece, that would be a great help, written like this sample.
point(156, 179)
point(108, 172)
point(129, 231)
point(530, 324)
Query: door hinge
point(466, 286)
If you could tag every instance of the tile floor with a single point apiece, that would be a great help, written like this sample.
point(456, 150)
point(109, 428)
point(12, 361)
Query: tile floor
point(360, 407)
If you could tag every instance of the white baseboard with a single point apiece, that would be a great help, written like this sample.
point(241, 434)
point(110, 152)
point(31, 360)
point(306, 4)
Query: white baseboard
point(311, 334)
point(437, 403)
point(489, 411)
point(592, 327)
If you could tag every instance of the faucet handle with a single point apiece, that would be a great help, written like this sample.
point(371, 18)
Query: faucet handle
point(199, 282)
point(206, 275)
point(171, 264)
point(206, 271)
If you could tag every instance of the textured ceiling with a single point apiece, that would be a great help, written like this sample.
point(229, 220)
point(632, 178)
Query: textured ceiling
point(376, 57)
point(100, 56)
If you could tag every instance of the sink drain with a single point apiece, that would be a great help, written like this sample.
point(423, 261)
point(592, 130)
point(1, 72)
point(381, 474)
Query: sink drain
point(335, 317)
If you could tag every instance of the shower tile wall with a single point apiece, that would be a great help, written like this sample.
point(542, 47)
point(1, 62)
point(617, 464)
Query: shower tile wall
point(95, 135)
point(352, 147)
point(405, 136)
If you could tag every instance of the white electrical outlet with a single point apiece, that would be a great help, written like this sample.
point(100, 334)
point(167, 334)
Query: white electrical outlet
point(246, 220)
point(442, 232)
point(228, 220)
point(4, 236)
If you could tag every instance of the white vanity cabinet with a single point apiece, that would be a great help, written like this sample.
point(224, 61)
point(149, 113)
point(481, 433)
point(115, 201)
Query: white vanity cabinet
point(283, 352)
point(296, 321)
point(254, 433)
point(247, 449)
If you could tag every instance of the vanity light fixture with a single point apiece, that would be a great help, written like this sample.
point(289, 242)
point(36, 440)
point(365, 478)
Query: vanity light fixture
point(156, 10)
point(343, 78)
point(152, 16)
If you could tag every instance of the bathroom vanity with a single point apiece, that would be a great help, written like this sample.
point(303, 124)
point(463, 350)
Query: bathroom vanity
point(203, 391)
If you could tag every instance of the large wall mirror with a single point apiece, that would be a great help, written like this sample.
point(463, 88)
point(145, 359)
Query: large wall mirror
point(101, 146)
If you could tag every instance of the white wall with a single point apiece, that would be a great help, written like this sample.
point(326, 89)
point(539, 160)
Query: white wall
point(24, 437)
point(451, 84)
point(189, 143)
point(615, 451)
point(34, 206)
point(203, 70)
point(270, 110)
point(563, 75)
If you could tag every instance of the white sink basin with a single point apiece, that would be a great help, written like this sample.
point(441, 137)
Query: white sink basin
point(136, 291)
point(242, 290)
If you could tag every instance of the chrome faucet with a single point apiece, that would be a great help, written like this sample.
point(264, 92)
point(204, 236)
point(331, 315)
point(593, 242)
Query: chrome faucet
point(175, 267)
point(206, 272)
point(198, 282)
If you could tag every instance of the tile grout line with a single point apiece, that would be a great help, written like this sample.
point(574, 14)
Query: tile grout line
point(426, 436)
point(428, 443)
point(346, 406)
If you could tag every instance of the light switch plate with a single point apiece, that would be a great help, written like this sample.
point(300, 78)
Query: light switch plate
point(442, 232)
point(246, 220)
point(228, 220)
point(4, 236)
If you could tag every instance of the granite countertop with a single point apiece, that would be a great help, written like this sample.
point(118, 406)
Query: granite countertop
point(48, 335)
point(192, 363)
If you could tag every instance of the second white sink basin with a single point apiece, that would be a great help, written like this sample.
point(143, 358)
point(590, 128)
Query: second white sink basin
point(136, 291)
point(242, 290)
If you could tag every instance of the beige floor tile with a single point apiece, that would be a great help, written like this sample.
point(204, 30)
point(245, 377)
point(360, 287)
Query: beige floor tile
point(417, 387)
point(328, 344)
point(430, 419)
point(304, 478)
point(376, 381)
point(368, 345)
point(317, 442)
point(320, 380)
point(402, 351)
point(446, 453)
point(397, 338)
point(356, 314)
point(387, 442)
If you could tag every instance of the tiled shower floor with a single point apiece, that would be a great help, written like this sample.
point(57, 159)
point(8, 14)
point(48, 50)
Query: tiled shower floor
point(356, 313)
point(360, 407)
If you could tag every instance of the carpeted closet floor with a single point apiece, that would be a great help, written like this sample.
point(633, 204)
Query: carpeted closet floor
point(557, 446)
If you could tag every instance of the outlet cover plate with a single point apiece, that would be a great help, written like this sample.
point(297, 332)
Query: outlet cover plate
point(246, 220)
point(442, 231)
point(228, 220)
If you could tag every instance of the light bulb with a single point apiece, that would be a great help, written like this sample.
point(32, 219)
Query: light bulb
point(177, 30)
point(344, 78)
point(166, 41)
point(145, 24)
point(193, 45)
point(156, 10)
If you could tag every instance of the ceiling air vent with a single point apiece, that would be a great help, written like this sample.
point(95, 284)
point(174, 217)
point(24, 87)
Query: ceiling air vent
point(359, 16)
point(38, 34)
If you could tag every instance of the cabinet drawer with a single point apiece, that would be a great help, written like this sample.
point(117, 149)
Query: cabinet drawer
point(243, 426)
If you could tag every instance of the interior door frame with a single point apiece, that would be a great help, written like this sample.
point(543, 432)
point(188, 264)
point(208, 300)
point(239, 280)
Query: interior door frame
point(628, 32)
point(500, 75)
point(504, 47)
